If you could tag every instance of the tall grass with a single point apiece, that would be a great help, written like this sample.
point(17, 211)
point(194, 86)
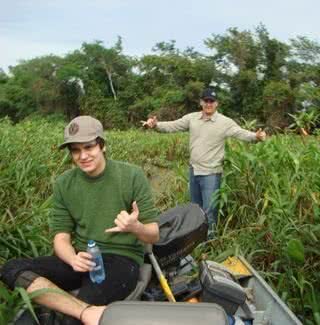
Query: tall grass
point(269, 200)
point(270, 213)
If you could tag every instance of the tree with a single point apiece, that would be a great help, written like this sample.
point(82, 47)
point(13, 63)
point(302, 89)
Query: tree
point(273, 57)
point(237, 58)
point(172, 81)
point(248, 63)
point(254, 75)
point(110, 62)
point(278, 102)
point(305, 50)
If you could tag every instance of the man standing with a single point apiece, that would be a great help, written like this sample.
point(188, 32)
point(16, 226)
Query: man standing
point(104, 200)
point(208, 132)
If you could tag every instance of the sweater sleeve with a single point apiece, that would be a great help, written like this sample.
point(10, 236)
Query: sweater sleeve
point(60, 218)
point(181, 124)
point(142, 195)
point(235, 131)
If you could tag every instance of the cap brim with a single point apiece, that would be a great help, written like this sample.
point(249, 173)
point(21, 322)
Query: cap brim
point(209, 97)
point(78, 140)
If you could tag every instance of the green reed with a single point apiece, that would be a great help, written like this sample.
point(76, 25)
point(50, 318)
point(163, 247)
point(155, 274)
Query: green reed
point(269, 200)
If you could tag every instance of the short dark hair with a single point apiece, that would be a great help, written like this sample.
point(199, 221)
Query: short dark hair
point(98, 141)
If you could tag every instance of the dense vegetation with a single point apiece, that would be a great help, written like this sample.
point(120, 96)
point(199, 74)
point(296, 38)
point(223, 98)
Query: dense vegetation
point(269, 200)
point(269, 208)
point(255, 76)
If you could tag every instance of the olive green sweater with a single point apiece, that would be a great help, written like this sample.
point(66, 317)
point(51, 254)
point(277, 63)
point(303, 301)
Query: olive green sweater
point(85, 206)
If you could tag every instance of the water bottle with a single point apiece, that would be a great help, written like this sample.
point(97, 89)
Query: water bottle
point(97, 275)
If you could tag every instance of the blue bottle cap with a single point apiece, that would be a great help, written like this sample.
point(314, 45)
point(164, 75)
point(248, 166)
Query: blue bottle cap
point(91, 243)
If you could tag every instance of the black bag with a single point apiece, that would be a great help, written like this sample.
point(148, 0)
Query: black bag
point(181, 229)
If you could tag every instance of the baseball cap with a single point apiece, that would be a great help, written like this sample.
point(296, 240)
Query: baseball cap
point(209, 94)
point(82, 129)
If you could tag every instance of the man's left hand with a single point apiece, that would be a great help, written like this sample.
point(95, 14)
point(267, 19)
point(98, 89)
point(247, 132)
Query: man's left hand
point(261, 135)
point(127, 222)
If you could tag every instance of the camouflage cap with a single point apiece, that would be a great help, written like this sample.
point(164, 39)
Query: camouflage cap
point(82, 129)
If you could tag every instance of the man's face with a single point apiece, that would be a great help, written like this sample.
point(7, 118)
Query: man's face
point(89, 157)
point(209, 106)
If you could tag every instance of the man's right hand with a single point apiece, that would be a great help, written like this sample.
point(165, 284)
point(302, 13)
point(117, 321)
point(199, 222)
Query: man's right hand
point(261, 135)
point(150, 123)
point(82, 262)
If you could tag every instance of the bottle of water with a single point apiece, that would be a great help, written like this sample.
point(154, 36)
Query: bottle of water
point(97, 275)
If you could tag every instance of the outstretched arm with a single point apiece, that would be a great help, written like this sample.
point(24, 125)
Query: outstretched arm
point(181, 124)
point(235, 131)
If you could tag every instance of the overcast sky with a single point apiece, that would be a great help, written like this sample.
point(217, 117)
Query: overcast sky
point(30, 28)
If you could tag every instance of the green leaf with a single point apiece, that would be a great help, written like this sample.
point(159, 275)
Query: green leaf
point(26, 299)
point(4, 293)
point(316, 316)
point(40, 292)
point(316, 213)
point(295, 250)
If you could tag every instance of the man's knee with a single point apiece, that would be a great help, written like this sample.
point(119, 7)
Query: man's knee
point(16, 273)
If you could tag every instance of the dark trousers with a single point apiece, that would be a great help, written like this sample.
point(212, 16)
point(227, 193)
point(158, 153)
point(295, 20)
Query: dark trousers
point(121, 277)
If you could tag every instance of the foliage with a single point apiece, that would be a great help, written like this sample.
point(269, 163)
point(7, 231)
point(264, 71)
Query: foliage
point(278, 103)
point(306, 50)
point(269, 200)
point(269, 213)
point(255, 76)
point(249, 125)
point(270, 194)
point(249, 63)
point(13, 302)
point(305, 120)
